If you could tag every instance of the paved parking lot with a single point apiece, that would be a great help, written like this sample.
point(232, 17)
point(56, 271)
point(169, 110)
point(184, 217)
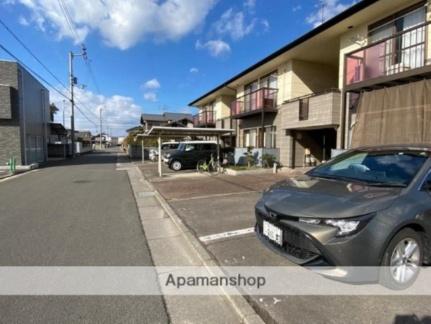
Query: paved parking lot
point(220, 211)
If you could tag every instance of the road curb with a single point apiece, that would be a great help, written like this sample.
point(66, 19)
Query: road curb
point(240, 304)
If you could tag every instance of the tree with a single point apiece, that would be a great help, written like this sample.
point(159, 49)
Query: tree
point(52, 111)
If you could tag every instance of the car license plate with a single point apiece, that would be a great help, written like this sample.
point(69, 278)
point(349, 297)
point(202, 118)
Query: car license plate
point(273, 233)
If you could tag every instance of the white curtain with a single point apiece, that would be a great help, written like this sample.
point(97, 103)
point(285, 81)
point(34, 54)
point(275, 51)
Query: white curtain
point(413, 48)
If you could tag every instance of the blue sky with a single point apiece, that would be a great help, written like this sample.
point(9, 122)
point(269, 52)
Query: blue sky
point(151, 55)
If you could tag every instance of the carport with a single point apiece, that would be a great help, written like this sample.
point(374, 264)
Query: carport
point(162, 131)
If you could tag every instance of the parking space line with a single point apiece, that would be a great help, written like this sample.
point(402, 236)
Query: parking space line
point(213, 195)
point(228, 234)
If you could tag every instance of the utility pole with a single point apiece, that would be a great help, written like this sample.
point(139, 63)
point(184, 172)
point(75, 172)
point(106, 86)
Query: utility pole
point(64, 109)
point(100, 137)
point(72, 82)
point(72, 103)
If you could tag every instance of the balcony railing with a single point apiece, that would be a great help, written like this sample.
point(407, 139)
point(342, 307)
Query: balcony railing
point(204, 118)
point(264, 99)
point(399, 53)
point(320, 109)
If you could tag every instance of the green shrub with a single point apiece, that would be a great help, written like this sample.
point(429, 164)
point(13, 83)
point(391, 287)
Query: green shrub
point(268, 160)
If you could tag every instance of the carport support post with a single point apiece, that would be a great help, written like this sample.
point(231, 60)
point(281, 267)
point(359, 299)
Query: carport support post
point(159, 142)
point(218, 152)
point(143, 151)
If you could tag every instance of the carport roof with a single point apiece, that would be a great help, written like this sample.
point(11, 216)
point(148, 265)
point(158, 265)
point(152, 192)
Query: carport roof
point(185, 131)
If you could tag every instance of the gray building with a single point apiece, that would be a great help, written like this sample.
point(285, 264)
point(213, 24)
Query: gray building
point(24, 116)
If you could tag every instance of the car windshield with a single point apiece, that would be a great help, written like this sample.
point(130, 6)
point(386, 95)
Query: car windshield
point(382, 168)
point(186, 147)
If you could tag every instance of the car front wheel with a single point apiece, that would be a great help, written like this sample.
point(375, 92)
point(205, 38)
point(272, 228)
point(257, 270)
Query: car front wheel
point(402, 260)
point(176, 165)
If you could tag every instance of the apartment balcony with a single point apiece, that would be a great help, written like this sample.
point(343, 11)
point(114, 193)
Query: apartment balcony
point(204, 118)
point(259, 101)
point(318, 110)
point(390, 61)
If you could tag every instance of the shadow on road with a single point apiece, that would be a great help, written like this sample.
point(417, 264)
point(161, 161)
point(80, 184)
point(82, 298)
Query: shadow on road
point(107, 156)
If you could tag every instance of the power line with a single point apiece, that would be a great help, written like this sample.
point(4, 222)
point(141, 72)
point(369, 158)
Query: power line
point(32, 54)
point(40, 62)
point(90, 72)
point(42, 79)
point(69, 21)
point(86, 117)
point(66, 15)
point(34, 72)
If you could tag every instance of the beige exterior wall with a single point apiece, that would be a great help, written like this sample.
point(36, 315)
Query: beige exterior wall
point(428, 49)
point(296, 78)
point(308, 77)
point(349, 42)
point(221, 107)
point(324, 110)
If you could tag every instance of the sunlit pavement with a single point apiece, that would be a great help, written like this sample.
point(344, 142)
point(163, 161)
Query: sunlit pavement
point(77, 212)
point(214, 206)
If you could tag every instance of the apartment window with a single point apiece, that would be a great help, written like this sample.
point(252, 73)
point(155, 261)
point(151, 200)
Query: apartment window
point(250, 95)
point(405, 51)
point(269, 81)
point(250, 137)
point(269, 137)
point(304, 108)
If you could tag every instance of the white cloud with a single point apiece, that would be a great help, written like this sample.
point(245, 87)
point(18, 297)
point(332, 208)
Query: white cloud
point(151, 84)
point(119, 112)
point(150, 96)
point(23, 21)
point(265, 24)
point(194, 70)
point(122, 23)
point(296, 8)
point(238, 24)
point(250, 4)
point(233, 24)
point(216, 47)
point(325, 10)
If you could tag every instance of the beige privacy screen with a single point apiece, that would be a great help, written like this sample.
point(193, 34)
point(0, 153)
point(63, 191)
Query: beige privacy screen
point(395, 115)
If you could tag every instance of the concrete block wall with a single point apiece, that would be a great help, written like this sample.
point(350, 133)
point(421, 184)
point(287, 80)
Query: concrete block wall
point(323, 110)
point(10, 134)
point(10, 144)
point(5, 102)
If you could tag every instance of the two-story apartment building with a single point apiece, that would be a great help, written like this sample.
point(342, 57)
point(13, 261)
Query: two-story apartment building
point(348, 82)
point(214, 112)
point(24, 116)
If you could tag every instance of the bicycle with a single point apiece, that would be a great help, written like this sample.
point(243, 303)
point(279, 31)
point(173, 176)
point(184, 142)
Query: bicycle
point(211, 166)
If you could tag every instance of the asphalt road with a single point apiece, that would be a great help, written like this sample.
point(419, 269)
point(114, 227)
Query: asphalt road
point(74, 213)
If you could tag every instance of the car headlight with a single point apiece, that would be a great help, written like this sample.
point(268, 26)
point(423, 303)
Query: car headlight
point(345, 227)
point(167, 155)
